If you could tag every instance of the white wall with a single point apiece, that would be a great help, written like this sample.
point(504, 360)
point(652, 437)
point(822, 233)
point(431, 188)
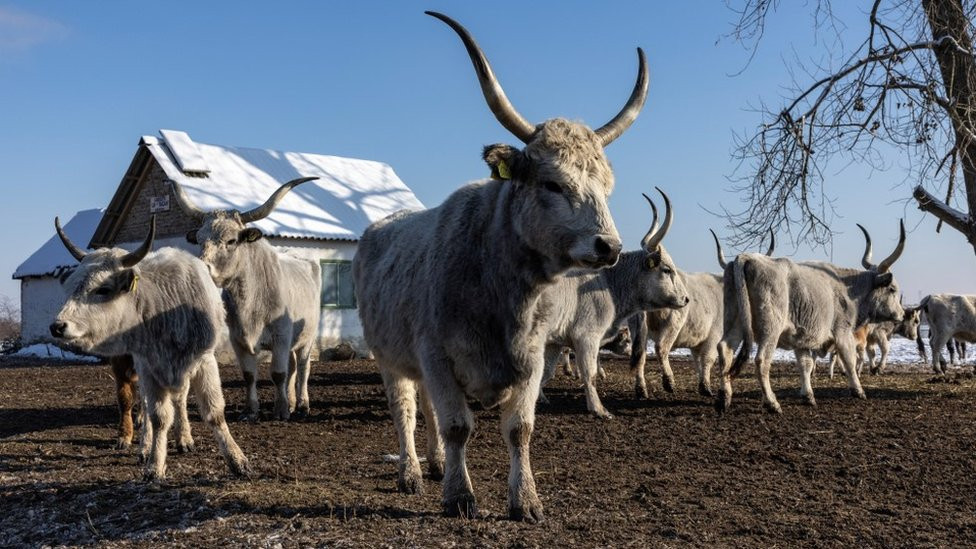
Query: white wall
point(40, 300)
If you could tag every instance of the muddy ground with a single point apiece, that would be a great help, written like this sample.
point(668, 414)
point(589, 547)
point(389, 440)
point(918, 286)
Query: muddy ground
point(895, 470)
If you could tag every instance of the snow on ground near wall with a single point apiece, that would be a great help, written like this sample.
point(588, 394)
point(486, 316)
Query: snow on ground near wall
point(902, 351)
point(46, 350)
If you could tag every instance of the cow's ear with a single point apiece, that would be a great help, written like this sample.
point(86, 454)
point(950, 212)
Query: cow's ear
point(126, 281)
point(882, 280)
point(250, 234)
point(505, 161)
point(191, 237)
point(653, 260)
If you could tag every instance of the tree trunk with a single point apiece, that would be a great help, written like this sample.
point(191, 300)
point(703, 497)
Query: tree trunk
point(948, 19)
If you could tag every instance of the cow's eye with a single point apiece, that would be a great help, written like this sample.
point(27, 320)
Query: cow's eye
point(103, 290)
point(232, 241)
point(553, 187)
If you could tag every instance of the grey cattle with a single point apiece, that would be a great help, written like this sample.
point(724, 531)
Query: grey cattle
point(161, 309)
point(586, 307)
point(950, 317)
point(807, 307)
point(272, 299)
point(451, 297)
point(697, 327)
point(880, 334)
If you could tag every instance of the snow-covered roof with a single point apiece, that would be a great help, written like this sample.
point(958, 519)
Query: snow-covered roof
point(348, 196)
point(52, 257)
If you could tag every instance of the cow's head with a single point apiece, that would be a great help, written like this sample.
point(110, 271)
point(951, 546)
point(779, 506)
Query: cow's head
point(561, 178)
point(909, 325)
point(883, 301)
point(658, 285)
point(223, 233)
point(100, 293)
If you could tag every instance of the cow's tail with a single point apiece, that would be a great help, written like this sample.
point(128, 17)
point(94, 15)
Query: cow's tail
point(745, 316)
point(924, 309)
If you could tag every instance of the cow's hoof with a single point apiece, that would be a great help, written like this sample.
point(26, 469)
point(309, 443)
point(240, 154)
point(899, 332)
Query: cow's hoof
point(704, 390)
point(153, 475)
point(772, 407)
point(410, 482)
point(810, 401)
point(602, 414)
point(463, 505)
point(858, 394)
point(301, 412)
point(184, 447)
point(530, 512)
point(601, 373)
point(282, 413)
point(435, 469)
point(142, 458)
point(668, 383)
point(240, 468)
point(123, 444)
point(248, 417)
point(640, 392)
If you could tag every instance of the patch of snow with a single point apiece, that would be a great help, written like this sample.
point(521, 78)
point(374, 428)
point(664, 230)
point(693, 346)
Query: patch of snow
point(46, 350)
point(901, 351)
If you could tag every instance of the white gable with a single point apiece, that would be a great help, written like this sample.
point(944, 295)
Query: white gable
point(348, 196)
point(52, 257)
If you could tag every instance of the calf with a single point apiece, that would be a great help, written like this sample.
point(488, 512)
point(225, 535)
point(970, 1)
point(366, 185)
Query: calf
point(161, 309)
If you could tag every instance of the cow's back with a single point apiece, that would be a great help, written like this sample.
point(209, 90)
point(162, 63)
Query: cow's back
point(953, 313)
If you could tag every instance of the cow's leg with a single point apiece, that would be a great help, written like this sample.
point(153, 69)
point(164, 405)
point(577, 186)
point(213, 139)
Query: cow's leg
point(638, 353)
point(517, 421)
point(662, 348)
point(292, 381)
point(586, 359)
point(730, 341)
point(401, 396)
point(937, 342)
point(145, 431)
point(764, 359)
point(125, 378)
point(280, 359)
point(554, 354)
point(456, 423)
point(707, 354)
point(210, 403)
point(249, 371)
point(435, 446)
point(159, 409)
point(805, 361)
point(951, 347)
point(304, 358)
point(883, 345)
point(184, 437)
point(848, 356)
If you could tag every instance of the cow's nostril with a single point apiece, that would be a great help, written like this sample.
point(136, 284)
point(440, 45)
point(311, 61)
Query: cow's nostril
point(58, 329)
point(602, 247)
point(605, 248)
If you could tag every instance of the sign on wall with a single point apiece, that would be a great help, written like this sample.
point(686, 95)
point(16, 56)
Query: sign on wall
point(158, 204)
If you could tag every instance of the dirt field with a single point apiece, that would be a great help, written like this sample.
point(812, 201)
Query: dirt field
point(895, 470)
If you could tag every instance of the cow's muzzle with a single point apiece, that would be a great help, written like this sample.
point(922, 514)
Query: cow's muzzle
point(58, 329)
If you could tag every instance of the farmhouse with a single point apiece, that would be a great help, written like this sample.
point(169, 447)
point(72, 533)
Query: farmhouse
point(319, 220)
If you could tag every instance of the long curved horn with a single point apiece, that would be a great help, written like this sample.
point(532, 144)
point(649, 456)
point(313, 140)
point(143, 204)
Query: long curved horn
point(654, 241)
point(772, 242)
point(75, 251)
point(189, 207)
point(866, 260)
point(890, 260)
point(619, 124)
point(492, 90)
point(653, 228)
point(718, 251)
point(264, 210)
point(135, 256)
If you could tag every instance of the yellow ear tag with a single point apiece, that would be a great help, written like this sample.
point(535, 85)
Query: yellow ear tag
point(503, 172)
point(135, 283)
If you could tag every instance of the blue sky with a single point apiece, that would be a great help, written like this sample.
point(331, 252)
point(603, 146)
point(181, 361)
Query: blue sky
point(80, 82)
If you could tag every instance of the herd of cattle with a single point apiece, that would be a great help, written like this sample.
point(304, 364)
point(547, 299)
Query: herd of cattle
point(497, 282)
